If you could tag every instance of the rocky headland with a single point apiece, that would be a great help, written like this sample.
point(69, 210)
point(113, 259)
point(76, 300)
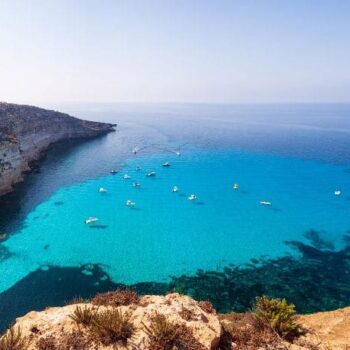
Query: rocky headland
point(26, 133)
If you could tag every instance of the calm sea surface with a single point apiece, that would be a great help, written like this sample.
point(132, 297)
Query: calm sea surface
point(294, 156)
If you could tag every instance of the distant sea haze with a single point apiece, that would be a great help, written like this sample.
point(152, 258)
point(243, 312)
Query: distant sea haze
point(292, 156)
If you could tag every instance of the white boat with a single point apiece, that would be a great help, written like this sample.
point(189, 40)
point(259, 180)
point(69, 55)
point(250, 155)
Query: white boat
point(126, 176)
point(192, 197)
point(166, 164)
point(102, 190)
point(235, 186)
point(136, 184)
point(175, 189)
point(178, 153)
point(91, 220)
point(114, 172)
point(152, 173)
point(337, 193)
point(130, 203)
point(265, 203)
point(135, 150)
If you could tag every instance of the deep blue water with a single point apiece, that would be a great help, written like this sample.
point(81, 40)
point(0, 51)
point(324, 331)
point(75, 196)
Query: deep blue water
point(295, 156)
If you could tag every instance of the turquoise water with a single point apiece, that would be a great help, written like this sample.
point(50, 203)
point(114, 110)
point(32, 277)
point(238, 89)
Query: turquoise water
point(292, 156)
point(166, 234)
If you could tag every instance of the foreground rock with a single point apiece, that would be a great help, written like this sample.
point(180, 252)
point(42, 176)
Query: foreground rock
point(26, 132)
point(331, 330)
point(177, 309)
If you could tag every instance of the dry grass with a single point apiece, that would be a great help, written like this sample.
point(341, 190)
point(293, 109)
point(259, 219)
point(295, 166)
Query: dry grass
point(166, 335)
point(111, 326)
point(117, 298)
point(13, 340)
point(247, 333)
point(206, 306)
point(74, 340)
point(83, 315)
point(187, 314)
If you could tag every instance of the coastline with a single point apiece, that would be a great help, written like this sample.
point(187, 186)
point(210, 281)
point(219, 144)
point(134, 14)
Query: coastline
point(27, 133)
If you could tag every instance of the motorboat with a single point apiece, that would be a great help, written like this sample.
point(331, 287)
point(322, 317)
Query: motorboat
point(114, 171)
point(166, 164)
point(337, 193)
point(91, 220)
point(151, 174)
point(130, 203)
point(135, 149)
point(136, 184)
point(192, 197)
point(178, 153)
point(175, 189)
point(235, 186)
point(126, 176)
point(102, 190)
point(265, 203)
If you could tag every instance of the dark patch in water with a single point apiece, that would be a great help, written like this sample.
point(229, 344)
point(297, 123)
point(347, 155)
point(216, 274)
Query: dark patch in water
point(315, 239)
point(317, 278)
point(200, 203)
point(276, 210)
point(99, 226)
point(54, 286)
point(58, 203)
point(46, 246)
point(314, 280)
point(4, 253)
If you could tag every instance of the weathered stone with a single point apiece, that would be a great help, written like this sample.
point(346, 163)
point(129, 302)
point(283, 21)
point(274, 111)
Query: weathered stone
point(26, 132)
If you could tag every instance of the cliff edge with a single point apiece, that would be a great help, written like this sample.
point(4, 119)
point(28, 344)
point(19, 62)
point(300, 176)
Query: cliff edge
point(26, 132)
point(123, 320)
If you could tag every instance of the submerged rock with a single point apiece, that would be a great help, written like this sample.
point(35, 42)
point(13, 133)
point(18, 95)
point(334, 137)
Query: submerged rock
point(26, 132)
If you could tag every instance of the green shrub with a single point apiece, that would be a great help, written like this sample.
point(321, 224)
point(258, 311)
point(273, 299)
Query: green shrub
point(276, 314)
point(13, 340)
point(111, 326)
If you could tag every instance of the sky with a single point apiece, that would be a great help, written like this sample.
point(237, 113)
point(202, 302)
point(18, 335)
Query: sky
point(207, 51)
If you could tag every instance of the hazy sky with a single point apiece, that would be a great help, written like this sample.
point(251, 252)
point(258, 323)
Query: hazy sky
point(174, 50)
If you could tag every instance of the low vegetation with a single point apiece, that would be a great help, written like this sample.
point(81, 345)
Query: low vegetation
point(75, 340)
point(276, 314)
point(206, 306)
point(166, 335)
point(120, 297)
point(111, 326)
point(83, 315)
point(13, 340)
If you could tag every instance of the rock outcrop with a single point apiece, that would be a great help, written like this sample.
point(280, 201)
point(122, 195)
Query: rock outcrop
point(26, 132)
point(55, 328)
point(178, 309)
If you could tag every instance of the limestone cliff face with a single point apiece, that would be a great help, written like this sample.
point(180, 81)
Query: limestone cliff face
point(26, 132)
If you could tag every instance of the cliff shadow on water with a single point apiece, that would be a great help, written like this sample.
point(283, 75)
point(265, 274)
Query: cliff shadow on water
point(316, 278)
point(15, 206)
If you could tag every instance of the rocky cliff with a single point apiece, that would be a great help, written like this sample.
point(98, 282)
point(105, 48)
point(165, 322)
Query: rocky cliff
point(122, 320)
point(26, 132)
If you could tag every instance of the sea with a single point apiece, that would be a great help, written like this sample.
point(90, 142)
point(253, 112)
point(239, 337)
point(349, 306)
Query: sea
point(223, 246)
